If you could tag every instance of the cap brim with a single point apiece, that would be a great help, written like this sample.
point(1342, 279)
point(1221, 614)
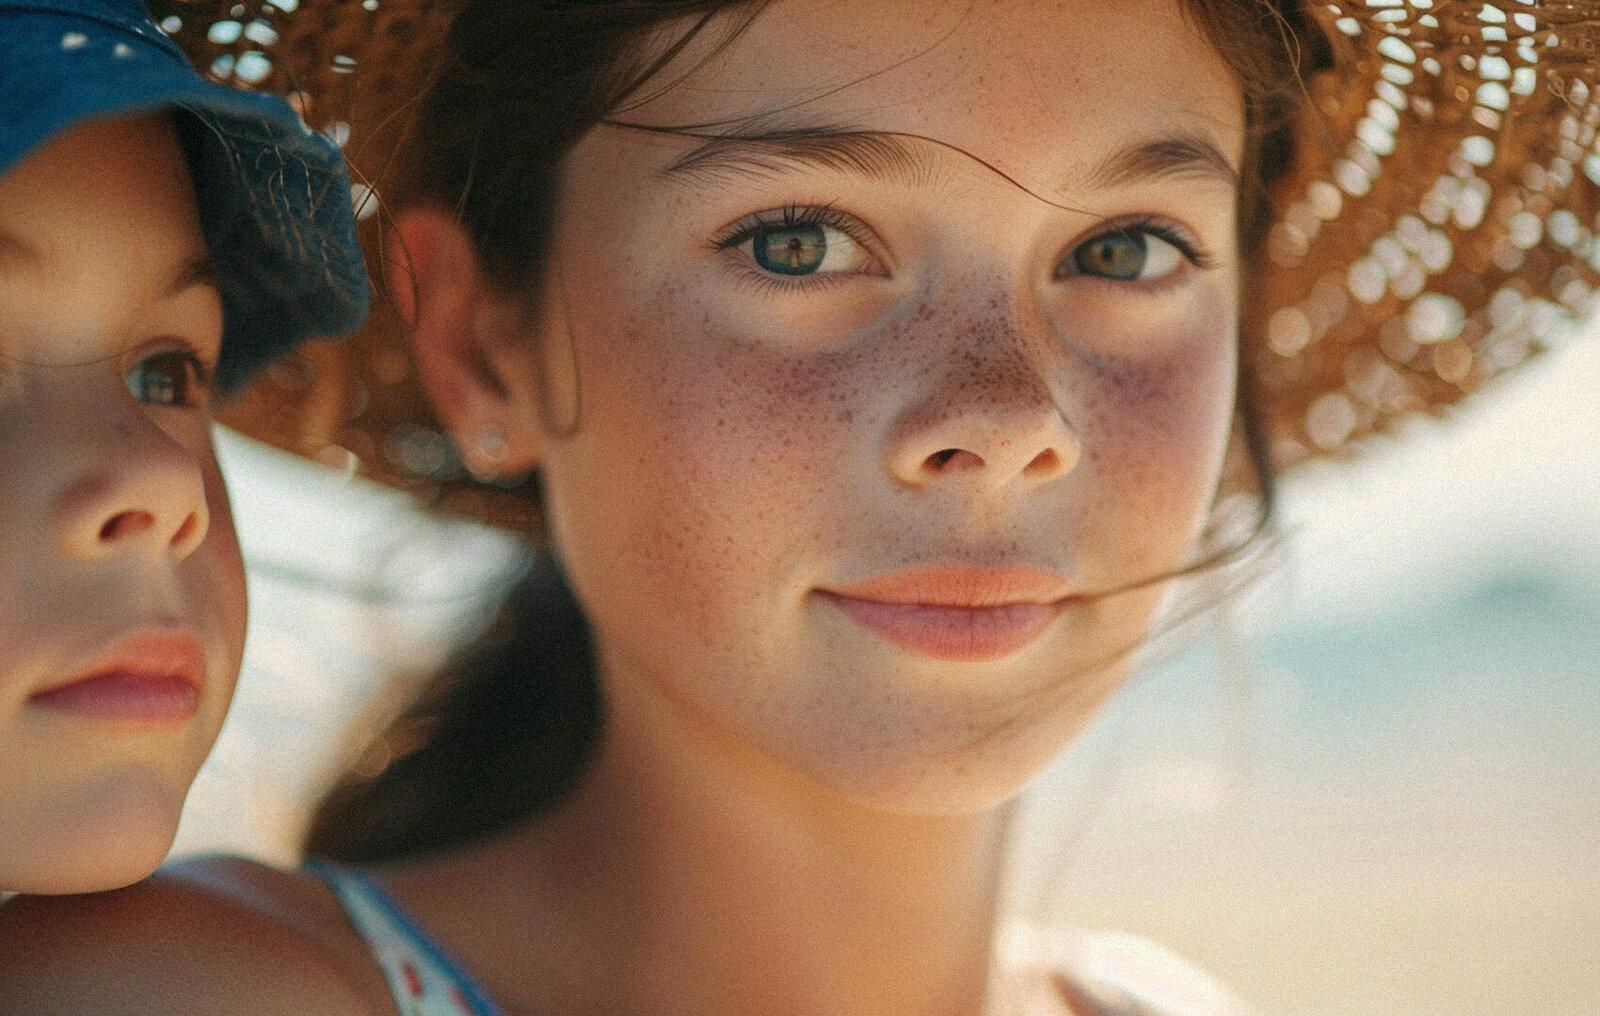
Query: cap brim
point(274, 196)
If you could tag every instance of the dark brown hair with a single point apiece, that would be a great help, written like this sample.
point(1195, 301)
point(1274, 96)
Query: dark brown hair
point(509, 727)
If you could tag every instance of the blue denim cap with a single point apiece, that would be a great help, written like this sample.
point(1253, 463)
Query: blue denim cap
point(273, 195)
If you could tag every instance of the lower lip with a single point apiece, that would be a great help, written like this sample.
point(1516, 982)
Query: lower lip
point(133, 697)
point(963, 634)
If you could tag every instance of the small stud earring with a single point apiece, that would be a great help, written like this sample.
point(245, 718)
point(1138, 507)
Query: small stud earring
point(488, 453)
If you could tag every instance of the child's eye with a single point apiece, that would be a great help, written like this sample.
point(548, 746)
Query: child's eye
point(1136, 252)
point(172, 378)
point(804, 249)
point(798, 242)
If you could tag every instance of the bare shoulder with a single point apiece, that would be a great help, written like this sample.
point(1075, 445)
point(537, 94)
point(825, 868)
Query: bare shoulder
point(222, 936)
point(1080, 973)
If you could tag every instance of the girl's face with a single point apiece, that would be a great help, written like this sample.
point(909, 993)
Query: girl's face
point(887, 383)
point(121, 589)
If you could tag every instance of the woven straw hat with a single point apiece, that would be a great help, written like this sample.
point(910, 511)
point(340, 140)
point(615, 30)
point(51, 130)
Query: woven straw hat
point(1441, 222)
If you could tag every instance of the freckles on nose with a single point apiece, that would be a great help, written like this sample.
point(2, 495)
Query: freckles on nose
point(988, 412)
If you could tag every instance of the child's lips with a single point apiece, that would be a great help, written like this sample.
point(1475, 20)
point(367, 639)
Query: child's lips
point(148, 677)
point(959, 614)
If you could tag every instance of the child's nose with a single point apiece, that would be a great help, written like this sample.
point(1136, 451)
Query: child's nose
point(990, 418)
point(1036, 448)
point(136, 490)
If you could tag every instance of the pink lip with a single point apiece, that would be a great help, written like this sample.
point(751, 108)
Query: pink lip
point(961, 614)
point(151, 677)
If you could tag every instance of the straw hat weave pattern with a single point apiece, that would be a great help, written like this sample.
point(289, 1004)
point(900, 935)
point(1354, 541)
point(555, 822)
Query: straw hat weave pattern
point(1440, 225)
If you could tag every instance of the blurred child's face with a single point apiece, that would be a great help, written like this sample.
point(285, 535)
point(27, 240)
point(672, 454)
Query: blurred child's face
point(122, 605)
point(875, 404)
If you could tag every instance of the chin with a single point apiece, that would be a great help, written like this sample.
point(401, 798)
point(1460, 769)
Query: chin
point(977, 777)
point(111, 836)
point(963, 757)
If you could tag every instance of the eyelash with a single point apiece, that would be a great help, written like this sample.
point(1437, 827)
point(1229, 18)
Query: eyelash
point(1198, 256)
point(202, 376)
point(794, 215)
point(790, 215)
point(824, 215)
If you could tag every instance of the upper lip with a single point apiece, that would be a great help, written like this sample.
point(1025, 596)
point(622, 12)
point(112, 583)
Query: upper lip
point(153, 653)
point(958, 586)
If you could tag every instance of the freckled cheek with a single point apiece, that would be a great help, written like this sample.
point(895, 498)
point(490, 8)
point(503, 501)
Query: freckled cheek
point(1154, 433)
point(732, 447)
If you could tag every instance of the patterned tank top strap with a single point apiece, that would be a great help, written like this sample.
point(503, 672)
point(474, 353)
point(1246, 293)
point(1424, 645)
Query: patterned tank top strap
point(424, 980)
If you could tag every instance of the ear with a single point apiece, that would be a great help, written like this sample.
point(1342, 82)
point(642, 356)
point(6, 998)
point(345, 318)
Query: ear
point(471, 342)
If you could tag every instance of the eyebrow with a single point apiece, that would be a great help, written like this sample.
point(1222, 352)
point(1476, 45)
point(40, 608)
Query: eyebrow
point(1187, 154)
point(882, 155)
point(872, 154)
point(199, 270)
point(196, 270)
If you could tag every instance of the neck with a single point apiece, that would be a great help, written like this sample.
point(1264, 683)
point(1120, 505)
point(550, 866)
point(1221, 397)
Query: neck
point(720, 882)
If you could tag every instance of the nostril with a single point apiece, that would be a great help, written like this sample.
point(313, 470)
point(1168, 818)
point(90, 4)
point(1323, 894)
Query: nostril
point(952, 460)
point(185, 531)
point(124, 524)
point(1047, 461)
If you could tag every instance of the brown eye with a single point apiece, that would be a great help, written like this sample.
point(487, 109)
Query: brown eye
point(1125, 254)
point(169, 379)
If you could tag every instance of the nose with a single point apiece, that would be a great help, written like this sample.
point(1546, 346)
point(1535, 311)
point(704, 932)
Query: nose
point(990, 418)
point(131, 488)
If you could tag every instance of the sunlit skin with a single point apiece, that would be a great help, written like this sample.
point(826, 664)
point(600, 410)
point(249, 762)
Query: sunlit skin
point(725, 446)
point(117, 554)
point(951, 391)
point(815, 497)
